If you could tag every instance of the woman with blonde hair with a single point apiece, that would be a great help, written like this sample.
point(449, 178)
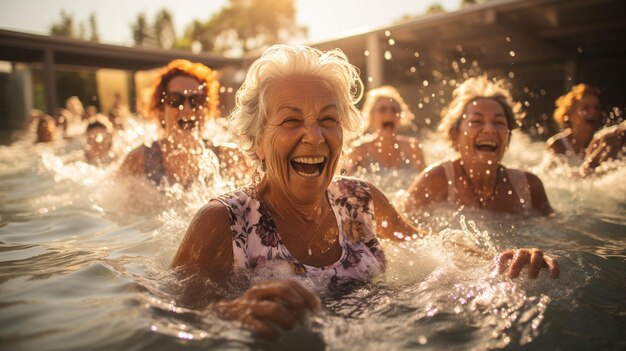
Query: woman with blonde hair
point(478, 124)
point(386, 158)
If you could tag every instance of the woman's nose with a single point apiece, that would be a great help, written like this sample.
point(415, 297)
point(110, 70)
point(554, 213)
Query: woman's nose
point(313, 134)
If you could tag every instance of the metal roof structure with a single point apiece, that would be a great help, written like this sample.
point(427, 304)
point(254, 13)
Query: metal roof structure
point(542, 47)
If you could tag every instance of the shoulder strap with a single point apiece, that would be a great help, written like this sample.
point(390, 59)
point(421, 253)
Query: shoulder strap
point(153, 166)
point(519, 182)
point(448, 168)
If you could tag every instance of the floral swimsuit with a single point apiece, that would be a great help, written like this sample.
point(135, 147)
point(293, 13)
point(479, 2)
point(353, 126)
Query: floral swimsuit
point(257, 242)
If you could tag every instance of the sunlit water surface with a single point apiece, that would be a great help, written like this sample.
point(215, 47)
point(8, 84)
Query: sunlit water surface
point(80, 269)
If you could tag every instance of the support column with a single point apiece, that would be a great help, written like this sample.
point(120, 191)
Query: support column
point(132, 91)
point(374, 63)
point(49, 82)
point(570, 70)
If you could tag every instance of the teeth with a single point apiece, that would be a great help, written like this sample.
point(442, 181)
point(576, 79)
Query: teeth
point(309, 160)
point(487, 143)
point(314, 174)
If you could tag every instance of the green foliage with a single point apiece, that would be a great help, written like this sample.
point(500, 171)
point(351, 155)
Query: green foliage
point(435, 8)
point(141, 31)
point(243, 26)
point(68, 27)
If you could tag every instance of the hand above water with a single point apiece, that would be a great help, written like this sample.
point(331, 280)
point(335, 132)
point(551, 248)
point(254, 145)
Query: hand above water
point(269, 305)
point(534, 258)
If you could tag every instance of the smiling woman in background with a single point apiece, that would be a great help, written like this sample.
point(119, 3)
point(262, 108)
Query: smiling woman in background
point(184, 97)
point(377, 158)
point(478, 123)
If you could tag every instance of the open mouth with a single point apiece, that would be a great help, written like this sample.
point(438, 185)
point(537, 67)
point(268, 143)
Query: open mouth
point(185, 124)
point(487, 146)
point(308, 166)
point(388, 125)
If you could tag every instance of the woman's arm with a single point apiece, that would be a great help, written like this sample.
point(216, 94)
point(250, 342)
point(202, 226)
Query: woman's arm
point(385, 213)
point(206, 252)
point(430, 186)
point(389, 223)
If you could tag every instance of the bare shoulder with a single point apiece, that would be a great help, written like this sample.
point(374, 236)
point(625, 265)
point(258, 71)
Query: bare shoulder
point(133, 163)
point(207, 245)
point(432, 178)
point(538, 194)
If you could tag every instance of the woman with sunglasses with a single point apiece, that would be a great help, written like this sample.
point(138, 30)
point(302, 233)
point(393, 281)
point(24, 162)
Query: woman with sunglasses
point(387, 159)
point(184, 97)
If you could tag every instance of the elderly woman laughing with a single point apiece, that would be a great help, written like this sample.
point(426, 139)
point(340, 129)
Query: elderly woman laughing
point(291, 115)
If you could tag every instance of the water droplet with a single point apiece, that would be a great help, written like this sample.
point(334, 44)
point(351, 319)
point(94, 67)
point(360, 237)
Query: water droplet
point(416, 54)
point(413, 69)
point(370, 79)
point(387, 33)
point(512, 53)
point(366, 53)
point(387, 55)
point(510, 192)
point(425, 83)
point(508, 39)
point(511, 75)
point(392, 42)
point(426, 195)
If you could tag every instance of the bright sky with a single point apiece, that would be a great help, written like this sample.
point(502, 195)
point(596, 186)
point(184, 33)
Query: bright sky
point(324, 18)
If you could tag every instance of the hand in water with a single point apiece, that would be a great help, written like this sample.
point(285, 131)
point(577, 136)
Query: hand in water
point(534, 258)
point(269, 305)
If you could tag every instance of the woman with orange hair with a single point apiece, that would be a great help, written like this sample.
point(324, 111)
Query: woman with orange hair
point(579, 114)
point(184, 97)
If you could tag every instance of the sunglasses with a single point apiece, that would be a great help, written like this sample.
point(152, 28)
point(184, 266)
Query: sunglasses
point(178, 99)
point(387, 108)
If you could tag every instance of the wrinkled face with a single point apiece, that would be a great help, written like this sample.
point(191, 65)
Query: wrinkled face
point(99, 140)
point(483, 132)
point(385, 115)
point(302, 140)
point(184, 105)
point(585, 116)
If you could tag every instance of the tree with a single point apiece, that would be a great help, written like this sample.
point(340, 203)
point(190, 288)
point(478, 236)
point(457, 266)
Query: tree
point(93, 28)
point(435, 8)
point(65, 27)
point(70, 28)
point(245, 25)
point(141, 31)
point(165, 34)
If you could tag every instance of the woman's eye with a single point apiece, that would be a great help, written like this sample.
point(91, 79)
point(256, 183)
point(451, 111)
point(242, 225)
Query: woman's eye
point(329, 120)
point(290, 122)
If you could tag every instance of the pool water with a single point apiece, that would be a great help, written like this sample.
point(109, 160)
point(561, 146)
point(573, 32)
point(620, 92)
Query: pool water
point(82, 267)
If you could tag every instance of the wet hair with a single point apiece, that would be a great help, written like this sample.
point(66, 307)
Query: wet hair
point(203, 74)
point(473, 89)
point(249, 117)
point(385, 92)
point(46, 128)
point(99, 121)
point(565, 103)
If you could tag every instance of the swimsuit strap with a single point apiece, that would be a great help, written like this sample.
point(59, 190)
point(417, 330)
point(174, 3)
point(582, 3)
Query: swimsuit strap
point(448, 168)
point(519, 182)
point(153, 166)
